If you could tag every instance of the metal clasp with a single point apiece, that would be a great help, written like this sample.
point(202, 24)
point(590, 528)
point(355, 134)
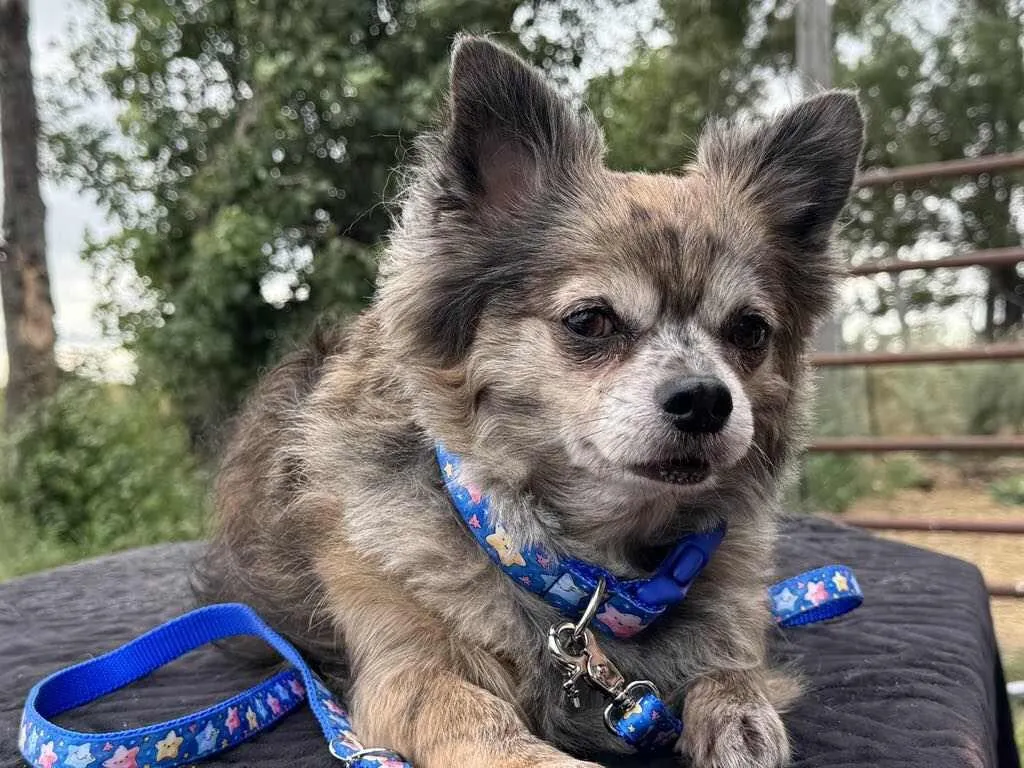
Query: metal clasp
point(569, 644)
point(576, 650)
point(570, 655)
point(353, 758)
point(601, 672)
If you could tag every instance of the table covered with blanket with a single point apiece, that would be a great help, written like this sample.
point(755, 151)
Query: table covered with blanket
point(911, 678)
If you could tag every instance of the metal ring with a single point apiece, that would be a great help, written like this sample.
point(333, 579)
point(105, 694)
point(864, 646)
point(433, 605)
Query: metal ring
point(621, 702)
point(349, 761)
point(590, 611)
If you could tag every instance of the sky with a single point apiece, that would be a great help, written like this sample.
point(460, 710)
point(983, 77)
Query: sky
point(69, 213)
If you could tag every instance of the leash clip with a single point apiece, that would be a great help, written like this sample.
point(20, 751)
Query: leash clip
point(577, 652)
point(569, 654)
point(635, 712)
point(569, 644)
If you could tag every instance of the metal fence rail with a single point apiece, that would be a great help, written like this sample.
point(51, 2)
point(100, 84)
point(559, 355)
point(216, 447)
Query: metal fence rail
point(986, 353)
point(993, 257)
point(881, 177)
point(966, 443)
point(931, 525)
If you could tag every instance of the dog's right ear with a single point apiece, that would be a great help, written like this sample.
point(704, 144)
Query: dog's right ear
point(509, 133)
point(510, 141)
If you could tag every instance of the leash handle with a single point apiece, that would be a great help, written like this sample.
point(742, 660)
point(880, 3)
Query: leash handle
point(196, 736)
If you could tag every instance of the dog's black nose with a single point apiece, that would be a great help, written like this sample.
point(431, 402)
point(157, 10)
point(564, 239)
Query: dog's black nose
point(695, 403)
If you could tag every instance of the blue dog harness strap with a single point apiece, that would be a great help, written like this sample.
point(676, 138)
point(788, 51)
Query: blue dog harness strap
point(572, 586)
point(184, 740)
point(567, 583)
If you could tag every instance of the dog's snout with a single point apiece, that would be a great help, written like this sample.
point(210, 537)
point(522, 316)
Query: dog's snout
point(697, 404)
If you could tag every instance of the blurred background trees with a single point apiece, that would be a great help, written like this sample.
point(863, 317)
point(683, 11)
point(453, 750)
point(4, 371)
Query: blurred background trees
point(24, 281)
point(256, 147)
point(250, 168)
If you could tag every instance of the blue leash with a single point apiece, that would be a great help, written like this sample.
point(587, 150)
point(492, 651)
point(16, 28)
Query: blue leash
point(813, 596)
point(193, 737)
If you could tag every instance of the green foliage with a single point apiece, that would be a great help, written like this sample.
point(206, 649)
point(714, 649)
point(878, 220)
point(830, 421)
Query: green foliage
point(993, 399)
point(247, 168)
point(932, 95)
point(652, 111)
point(101, 467)
point(832, 482)
point(1009, 490)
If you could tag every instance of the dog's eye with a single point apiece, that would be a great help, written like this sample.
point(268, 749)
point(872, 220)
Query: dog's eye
point(750, 332)
point(593, 323)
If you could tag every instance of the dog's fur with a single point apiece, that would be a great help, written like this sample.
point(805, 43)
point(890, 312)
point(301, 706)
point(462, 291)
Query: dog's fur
point(333, 522)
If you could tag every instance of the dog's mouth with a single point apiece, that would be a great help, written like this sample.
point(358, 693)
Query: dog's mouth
point(688, 471)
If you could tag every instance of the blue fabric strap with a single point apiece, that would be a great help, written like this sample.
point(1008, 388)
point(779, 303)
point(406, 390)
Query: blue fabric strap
point(184, 740)
point(567, 583)
point(812, 596)
point(649, 726)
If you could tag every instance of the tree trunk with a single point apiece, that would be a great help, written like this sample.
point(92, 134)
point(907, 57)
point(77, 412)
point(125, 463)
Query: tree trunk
point(24, 281)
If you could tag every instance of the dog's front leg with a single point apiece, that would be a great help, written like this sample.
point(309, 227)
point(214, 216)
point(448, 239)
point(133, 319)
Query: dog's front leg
point(418, 690)
point(731, 719)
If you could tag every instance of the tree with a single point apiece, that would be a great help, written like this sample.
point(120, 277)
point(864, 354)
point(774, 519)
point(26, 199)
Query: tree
point(653, 110)
point(248, 165)
point(941, 94)
point(24, 280)
point(931, 94)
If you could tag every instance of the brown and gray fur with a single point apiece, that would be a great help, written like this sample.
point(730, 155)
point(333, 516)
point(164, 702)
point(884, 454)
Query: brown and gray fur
point(332, 520)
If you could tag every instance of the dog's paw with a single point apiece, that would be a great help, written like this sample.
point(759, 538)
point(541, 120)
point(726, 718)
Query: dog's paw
point(726, 727)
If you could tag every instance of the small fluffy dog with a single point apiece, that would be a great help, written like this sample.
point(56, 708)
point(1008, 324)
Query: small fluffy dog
point(618, 359)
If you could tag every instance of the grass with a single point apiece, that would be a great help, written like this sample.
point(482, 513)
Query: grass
point(24, 549)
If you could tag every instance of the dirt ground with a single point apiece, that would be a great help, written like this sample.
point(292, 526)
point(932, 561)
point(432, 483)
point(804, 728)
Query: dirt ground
point(999, 556)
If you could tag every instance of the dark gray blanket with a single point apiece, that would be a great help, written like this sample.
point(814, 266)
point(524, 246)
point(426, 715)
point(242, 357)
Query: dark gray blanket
point(912, 678)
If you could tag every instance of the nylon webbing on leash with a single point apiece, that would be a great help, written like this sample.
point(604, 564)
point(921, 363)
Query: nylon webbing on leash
point(196, 736)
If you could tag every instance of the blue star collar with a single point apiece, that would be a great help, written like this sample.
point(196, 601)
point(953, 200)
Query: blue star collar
point(567, 583)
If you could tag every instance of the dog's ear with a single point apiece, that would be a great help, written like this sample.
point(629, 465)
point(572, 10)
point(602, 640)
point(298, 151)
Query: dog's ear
point(798, 169)
point(508, 131)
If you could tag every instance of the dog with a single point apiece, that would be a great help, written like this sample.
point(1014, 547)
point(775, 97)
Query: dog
point(617, 359)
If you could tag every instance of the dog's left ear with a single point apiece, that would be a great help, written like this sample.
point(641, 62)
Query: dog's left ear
point(509, 132)
point(798, 169)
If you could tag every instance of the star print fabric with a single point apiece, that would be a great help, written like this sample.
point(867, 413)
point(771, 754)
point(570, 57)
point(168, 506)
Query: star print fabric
point(648, 726)
point(564, 582)
point(180, 742)
point(814, 596)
